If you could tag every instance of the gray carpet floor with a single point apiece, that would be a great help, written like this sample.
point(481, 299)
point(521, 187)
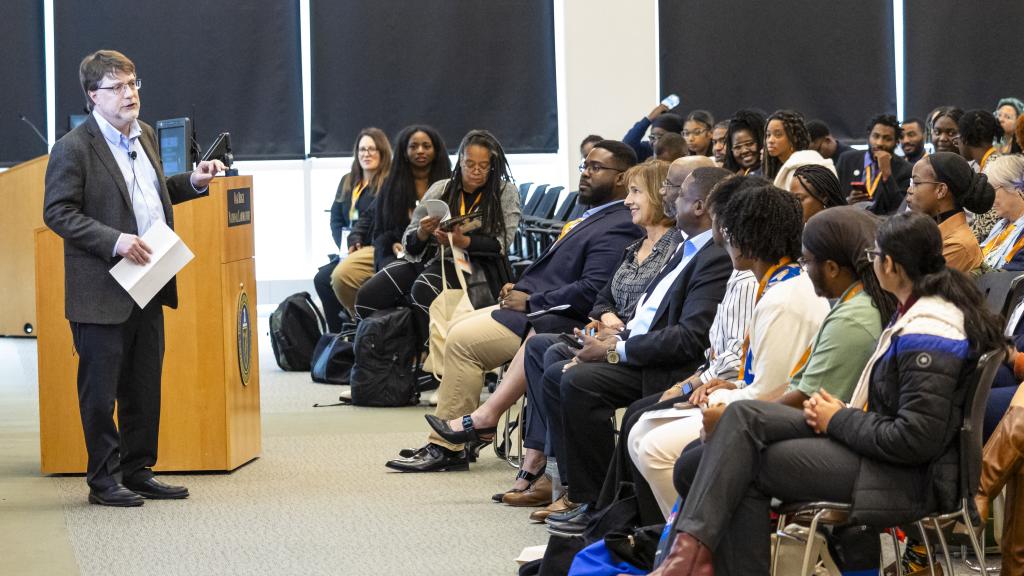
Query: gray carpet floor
point(318, 501)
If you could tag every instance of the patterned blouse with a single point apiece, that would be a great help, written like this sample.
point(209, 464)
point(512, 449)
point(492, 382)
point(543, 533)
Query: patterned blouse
point(632, 278)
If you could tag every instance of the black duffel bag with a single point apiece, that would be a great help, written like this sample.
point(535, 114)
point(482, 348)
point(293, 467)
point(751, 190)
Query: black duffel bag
point(386, 354)
point(333, 359)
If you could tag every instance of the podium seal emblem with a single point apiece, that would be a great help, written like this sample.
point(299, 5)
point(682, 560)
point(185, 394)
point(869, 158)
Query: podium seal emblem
point(243, 334)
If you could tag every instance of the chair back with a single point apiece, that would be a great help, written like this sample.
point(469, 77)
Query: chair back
point(524, 191)
point(546, 208)
point(979, 384)
point(1000, 288)
point(531, 205)
point(563, 210)
point(577, 210)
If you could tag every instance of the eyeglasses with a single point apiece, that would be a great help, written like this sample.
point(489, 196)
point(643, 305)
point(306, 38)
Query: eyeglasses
point(593, 167)
point(804, 261)
point(872, 254)
point(123, 88)
point(669, 186)
point(697, 132)
point(368, 150)
point(749, 144)
point(481, 168)
point(916, 183)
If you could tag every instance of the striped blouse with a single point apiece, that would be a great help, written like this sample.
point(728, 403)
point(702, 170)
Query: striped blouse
point(730, 327)
point(632, 278)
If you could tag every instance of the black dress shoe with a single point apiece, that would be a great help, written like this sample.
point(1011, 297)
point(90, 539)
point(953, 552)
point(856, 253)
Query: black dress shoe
point(434, 458)
point(116, 495)
point(157, 490)
point(468, 432)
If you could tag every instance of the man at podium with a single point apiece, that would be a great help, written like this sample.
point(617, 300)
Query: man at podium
point(105, 187)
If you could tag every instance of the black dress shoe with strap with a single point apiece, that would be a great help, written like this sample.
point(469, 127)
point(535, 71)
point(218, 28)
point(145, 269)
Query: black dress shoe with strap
point(157, 490)
point(116, 495)
point(433, 458)
point(468, 432)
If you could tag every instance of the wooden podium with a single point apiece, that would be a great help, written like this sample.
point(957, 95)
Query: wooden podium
point(210, 405)
point(21, 212)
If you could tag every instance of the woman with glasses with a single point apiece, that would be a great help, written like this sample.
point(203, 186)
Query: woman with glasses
point(481, 188)
point(1007, 112)
point(743, 142)
point(891, 452)
point(337, 281)
point(697, 133)
point(942, 185)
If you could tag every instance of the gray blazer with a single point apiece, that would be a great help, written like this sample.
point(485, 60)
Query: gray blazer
point(87, 204)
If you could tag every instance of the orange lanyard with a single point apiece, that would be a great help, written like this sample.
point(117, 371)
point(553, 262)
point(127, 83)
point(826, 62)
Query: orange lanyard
point(353, 212)
point(762, 285)
point(984, 159)
point(850, 293)
point(462, 203)
point(870, 185)
point(998, 240)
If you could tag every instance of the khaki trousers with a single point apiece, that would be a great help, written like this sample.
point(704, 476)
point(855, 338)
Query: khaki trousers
point(475, 344)
point(654, 445)
point(350, 274)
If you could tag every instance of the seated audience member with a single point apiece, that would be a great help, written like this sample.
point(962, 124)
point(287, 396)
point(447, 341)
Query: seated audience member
point(942, 186)
point(1007, 112)
point(722, 361)
point(697, 132)
point(571, 271)
point(1001, 467)
point(823, 142)
point(640, 263)
point(944, 125)
point(834, 255)
point(547, 351)
point(718, 135)
point(743, 143)
point(661, 343)
point(1002, 248)
point(670, 147)
point(979, 132)
point(817, 188)
point(785, 148)
point(421, 160)
point(356, 192)
point(891, 452)
point(660, 121)
point(876, 175)
point(588, 144)
point(768, 226)
point(480, 184)
point(912, 142)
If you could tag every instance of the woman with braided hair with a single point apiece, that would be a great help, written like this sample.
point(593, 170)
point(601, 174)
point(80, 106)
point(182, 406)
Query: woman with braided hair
point(942, 186)
point(744, 140)
point(817, 188)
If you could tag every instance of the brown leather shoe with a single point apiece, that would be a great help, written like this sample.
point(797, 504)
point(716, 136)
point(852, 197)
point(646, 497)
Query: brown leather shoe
point(688, 557)
point(560, 506)
point(539, 494)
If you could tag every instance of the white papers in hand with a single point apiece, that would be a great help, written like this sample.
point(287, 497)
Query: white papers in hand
point(169, 256)
point(433, 207)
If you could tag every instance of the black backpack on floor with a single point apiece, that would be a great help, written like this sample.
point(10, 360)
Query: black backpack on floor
point(295, 329)
point(386, 355)
point(333, 359)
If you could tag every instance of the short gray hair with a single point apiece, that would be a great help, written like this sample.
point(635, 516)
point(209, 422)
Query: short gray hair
point(1007, 172)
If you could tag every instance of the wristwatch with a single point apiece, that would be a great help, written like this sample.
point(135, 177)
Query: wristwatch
point(613, 356)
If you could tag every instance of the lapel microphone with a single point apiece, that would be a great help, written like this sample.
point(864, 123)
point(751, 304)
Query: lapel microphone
point(133, 154)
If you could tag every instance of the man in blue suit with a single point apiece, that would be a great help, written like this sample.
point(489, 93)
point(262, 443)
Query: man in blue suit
point(571, 271)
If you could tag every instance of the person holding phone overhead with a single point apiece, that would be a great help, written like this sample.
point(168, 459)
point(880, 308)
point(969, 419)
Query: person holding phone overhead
point(105, 187)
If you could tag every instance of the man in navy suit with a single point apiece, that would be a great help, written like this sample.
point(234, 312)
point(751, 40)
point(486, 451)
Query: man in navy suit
point(571, 271)
point(664, 342)
point(105, 188)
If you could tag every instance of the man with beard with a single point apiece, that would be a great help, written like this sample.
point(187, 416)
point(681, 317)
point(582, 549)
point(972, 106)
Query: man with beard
point(912, 142)
point(877, 176)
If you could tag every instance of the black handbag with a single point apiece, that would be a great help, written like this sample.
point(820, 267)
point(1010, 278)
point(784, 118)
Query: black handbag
point(333, 358)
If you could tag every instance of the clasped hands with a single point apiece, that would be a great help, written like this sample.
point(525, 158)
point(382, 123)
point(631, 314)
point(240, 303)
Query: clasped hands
point(134, 249)
point(819, 410)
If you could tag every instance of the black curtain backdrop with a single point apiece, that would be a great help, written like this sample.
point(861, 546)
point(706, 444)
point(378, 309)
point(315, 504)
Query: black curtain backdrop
point(455, 65)
point(24, 91)
point(237, 65)
point(828, 60)
point(966, 54)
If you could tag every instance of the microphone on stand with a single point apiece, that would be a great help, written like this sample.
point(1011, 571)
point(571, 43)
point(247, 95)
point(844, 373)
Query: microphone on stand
point(34, 129)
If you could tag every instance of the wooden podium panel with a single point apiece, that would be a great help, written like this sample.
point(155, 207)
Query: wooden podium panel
point(21, 212)
point(210, 404)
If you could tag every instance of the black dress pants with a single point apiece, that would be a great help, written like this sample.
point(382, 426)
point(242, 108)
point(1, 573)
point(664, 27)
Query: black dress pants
point(329, 301)
point(760, 450)
point(621, 469)
point(581, 404)
point(120, 363)
point(404, 283)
